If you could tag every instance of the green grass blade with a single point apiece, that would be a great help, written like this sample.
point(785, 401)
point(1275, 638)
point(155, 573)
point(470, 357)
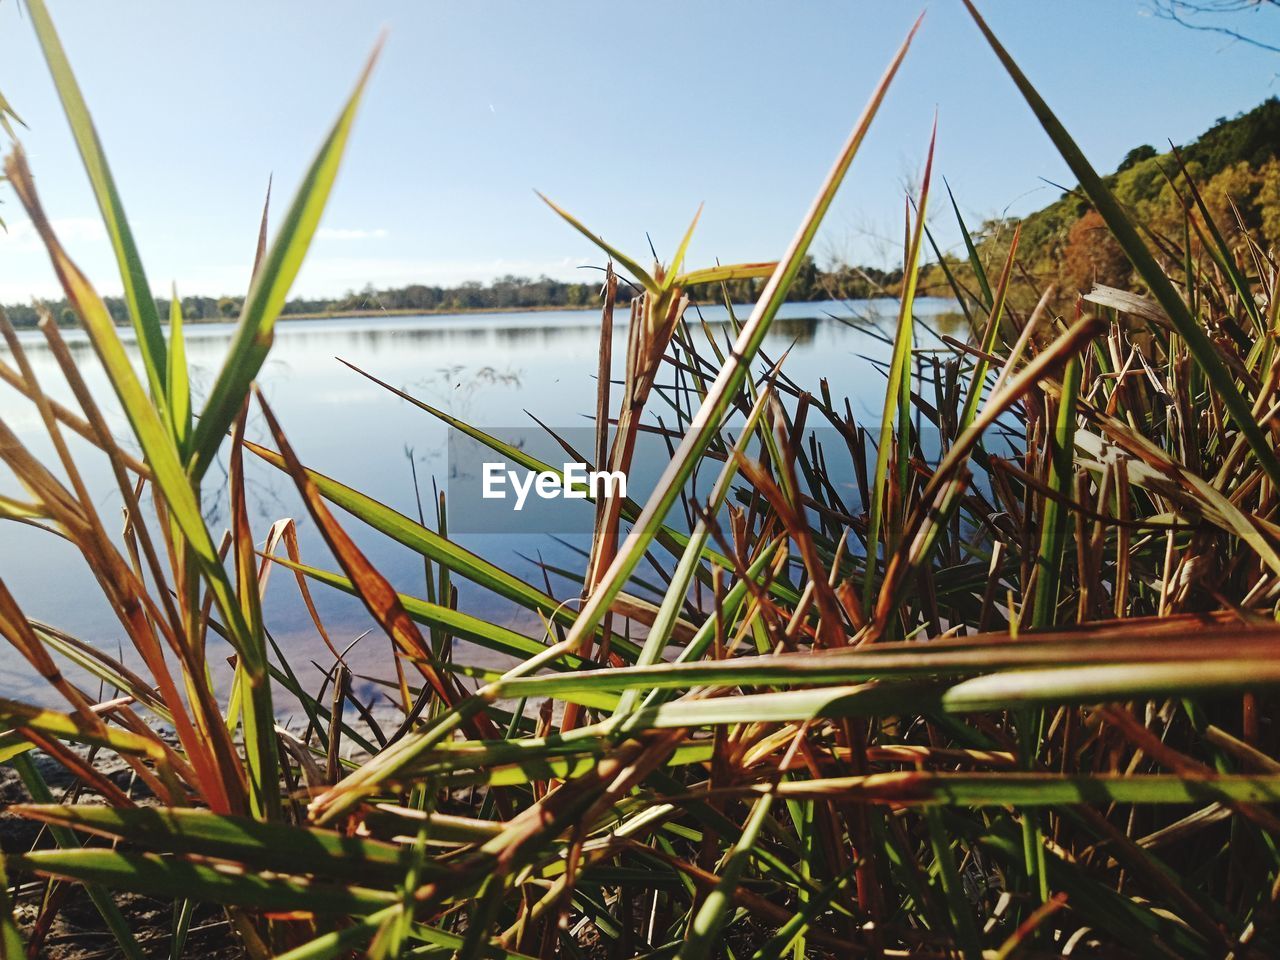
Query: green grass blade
point(793, 930)
point(669, 611)
point(953, 888)
point(183, 910)
point(111, 915)
point(340, 943)
point(704, 931)
point(736, 271)
point(7, 114)
point(454, 622)
point(156, 439)
point(834, 702)
point(1220, 251)
point(638, 272)
point(975, 261)
point(1053, 530)
point(1105, 683)
point(1032, 789)
point(137, 291)
point(157, 876)
point(720, 395)
point(270, 286)
point(1237, 654)
point(897, 400)
point(268, 846)
point(668, 536)
point(252, 681)
point(64, 726)
point(990, 335)
point(677, 261)
point(102, 667)
point(10, 939)
point(179, 380)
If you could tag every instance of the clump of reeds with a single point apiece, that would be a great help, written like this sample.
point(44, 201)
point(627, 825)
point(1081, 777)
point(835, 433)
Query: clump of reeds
point(1015, 701)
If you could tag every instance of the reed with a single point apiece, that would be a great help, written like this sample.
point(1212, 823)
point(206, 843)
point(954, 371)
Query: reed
point(1017, 702)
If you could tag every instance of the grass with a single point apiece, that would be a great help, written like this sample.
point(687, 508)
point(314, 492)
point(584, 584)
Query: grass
point(1016, 700)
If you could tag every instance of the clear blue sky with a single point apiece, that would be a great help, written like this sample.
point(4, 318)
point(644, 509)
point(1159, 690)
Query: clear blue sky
point(628, 114)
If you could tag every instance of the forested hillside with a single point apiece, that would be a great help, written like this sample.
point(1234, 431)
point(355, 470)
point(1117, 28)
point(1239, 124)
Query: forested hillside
point(1234, 167)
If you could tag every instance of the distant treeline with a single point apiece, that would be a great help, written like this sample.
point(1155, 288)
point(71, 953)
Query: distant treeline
point(504, 293)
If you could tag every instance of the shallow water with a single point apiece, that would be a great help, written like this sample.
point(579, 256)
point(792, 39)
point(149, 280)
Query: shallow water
point(488, 369)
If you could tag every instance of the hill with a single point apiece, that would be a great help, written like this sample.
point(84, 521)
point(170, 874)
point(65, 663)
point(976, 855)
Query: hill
point(1235, 165)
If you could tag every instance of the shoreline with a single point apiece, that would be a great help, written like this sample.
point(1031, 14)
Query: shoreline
point(463, 311)
point(416, 312)
point(372, 313)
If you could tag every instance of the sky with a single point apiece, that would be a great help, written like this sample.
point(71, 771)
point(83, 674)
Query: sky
point(629, 115)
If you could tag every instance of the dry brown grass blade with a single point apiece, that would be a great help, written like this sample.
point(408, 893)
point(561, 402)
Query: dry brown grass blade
point(286, 531)
point(139, 536)
point(135, 607)
point(17, 630)
point(830, 628)
point(377, 594)
point(604, 374)
point(68, 418)
point(607, 509)
point(211, 751)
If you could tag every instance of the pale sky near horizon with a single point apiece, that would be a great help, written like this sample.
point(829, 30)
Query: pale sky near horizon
point(628, 115)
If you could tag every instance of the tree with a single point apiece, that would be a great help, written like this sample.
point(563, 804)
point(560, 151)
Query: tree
point(1226, 17)
point(1093, 256)
point(1136, 156)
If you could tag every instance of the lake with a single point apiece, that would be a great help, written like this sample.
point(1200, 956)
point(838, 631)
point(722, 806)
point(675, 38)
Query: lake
point(488, 369)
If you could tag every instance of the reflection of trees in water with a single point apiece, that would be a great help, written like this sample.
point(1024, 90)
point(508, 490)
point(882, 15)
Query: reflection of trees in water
point(545, 336)
point(798, 330)
point(952, 323)
point(80, 349)
point(378, 339)
point(373, 339)
point(383, 339)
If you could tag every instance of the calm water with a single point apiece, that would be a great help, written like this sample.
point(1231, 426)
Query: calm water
point(485, 368)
